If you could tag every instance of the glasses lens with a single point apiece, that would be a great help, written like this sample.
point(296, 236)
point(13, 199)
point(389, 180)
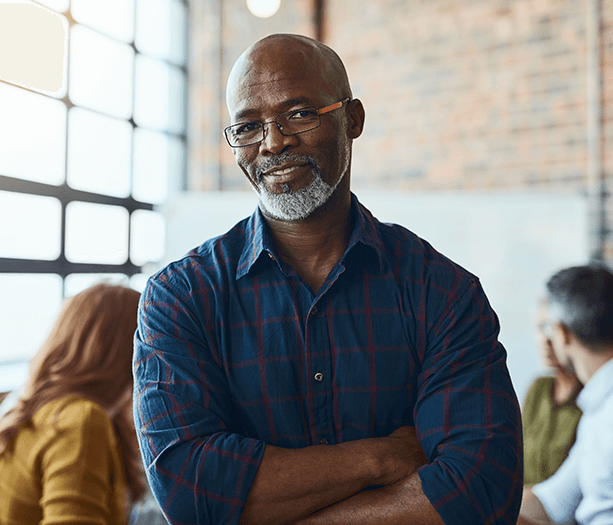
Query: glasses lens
point(245, 133)
point(298, 121)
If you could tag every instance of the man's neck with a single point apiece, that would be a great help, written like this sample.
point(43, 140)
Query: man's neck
point(313, 246)
point(589, 362)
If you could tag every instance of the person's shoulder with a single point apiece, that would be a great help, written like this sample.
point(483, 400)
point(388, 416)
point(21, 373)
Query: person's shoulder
point(419, 259)
point(210, 258)
point(73, 413)
point(540, 388)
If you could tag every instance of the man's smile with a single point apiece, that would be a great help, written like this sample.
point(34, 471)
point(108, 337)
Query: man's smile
point(282, 174)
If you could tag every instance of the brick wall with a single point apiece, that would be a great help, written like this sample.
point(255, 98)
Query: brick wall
point(459, 95)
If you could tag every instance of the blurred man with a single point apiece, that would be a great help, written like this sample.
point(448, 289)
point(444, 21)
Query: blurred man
point(580, 325)
point(312, 352)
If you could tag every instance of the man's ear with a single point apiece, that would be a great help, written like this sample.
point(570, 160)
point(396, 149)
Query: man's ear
point(355, 120)
point(567, 334)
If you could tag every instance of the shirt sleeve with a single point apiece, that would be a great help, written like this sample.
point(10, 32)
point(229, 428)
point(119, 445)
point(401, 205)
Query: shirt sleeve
point(467, 415)
point(199, 466)
point(77, 468)
point(560, 495)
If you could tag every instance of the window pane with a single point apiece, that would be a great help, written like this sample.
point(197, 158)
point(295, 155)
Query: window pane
point(29, 304)
point(157, 158)
point(101, 72)
point(33, 43)
point(99, 153)
point(148, 237)
point(31, 226)
point(77, 282)
point(161, 29)
point(32, 136)
point(60, 6)
point(13, 376)
point(138, 281)
point(159, 95)
point(96, 233)
point(113, 17)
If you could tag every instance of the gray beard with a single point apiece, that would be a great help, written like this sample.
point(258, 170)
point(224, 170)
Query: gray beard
point(294, 205)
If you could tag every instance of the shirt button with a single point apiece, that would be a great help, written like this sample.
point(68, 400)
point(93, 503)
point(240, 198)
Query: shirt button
point(323, 441)
point(314, 310)
point(319, 377)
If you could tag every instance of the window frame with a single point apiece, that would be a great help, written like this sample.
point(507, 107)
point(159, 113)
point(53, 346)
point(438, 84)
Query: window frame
point(65, 194)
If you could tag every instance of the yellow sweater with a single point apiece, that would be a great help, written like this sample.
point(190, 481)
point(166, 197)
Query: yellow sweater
point(64, 468)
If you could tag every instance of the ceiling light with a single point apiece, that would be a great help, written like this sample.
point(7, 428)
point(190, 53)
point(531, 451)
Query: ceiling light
point(263, 8)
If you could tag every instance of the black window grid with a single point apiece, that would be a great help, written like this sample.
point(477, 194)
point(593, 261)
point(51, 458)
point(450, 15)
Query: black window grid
point(65, 194)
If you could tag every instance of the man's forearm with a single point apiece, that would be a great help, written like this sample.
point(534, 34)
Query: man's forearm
point(292, 484)
point(400, 503)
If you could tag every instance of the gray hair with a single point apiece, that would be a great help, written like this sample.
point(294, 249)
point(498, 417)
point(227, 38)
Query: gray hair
point(581, 298)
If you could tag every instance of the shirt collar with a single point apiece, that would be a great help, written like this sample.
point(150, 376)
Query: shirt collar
point(257, 238)
point(597, 389)
point(256, 241)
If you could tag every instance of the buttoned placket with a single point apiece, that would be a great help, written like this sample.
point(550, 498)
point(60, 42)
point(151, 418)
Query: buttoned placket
point(319, 365)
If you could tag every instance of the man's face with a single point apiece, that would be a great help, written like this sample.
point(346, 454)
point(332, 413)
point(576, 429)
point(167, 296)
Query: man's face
point(296, 174)
point(561, 347)
point(544, 336)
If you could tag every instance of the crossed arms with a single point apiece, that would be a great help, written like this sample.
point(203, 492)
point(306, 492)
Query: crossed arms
point(205, 466)
point(295, 484)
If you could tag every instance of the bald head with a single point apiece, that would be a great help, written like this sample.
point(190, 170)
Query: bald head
point(277, 56)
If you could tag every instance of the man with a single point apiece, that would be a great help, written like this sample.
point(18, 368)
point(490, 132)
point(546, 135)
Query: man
point(312, 352)
point(580, 311)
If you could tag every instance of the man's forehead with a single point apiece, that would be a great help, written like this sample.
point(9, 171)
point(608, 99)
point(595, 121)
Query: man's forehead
point(264, 86)
point(277, 60)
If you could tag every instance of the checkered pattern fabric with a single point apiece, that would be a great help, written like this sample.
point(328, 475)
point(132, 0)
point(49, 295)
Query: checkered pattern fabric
point(234, 351)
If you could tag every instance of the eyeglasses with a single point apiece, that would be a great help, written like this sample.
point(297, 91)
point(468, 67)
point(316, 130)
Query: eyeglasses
point(288, 123)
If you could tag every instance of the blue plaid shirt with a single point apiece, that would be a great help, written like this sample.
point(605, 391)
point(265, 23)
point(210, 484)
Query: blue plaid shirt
point(234, 351)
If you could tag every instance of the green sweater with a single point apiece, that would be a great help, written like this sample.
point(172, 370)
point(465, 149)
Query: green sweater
point(549, 430)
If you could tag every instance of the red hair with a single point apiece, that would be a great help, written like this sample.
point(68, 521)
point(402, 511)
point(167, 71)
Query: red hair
point(87, 353)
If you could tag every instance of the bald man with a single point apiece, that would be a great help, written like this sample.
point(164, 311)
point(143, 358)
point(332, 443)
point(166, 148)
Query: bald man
point(314, 365)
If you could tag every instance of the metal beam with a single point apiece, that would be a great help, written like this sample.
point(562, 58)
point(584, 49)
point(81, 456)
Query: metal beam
point(596, 182)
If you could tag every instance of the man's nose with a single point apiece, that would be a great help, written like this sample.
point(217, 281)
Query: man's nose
point(274, 141)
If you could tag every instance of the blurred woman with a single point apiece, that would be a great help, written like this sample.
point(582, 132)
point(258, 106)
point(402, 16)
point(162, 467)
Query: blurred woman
point(68, 452)
point(550, 413)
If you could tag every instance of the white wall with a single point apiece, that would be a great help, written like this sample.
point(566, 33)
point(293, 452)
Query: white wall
point(512, 242)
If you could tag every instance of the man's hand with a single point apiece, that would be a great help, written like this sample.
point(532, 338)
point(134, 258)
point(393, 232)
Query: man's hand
point(532, 511)
point(399, 454)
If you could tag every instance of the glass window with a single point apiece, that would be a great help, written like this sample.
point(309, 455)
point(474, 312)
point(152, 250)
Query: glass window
point(161, 29)
point(148, 237)
point(32, 136)
point(138, 281)
point(34, 42)
point(101, 72)
point(29, 304)
point(159, 95)
point(112, 17)
point(35, 226)
point(157, 158)
point(77, 282)
point(89, 138)
point(13, 376)
point(96, 233)
point(99, 153)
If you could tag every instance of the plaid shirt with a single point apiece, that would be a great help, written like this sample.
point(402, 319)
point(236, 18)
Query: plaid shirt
point(234, 350)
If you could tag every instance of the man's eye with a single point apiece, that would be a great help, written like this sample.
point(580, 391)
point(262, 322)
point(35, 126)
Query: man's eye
point(303, 114)
point(242, 129)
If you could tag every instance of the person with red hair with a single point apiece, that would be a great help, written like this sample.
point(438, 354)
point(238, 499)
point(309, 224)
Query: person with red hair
point(68, 451)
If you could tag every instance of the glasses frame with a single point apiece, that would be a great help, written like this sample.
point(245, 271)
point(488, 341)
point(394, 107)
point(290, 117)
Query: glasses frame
point(320, 111)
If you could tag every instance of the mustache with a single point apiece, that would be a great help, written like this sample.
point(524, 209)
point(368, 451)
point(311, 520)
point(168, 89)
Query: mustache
point(277, 160)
